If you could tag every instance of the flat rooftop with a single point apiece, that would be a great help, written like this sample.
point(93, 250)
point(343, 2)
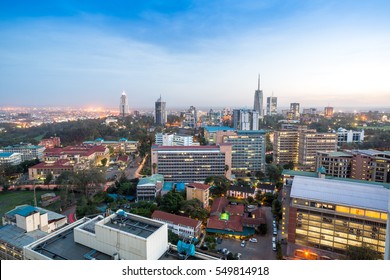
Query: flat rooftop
point(63, 247)
point(360, 194)
point(142, 228)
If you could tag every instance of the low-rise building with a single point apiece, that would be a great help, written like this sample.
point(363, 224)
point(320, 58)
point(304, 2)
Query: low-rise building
point(148, 188)
point(56, 168)
point(241, 192)
point(198, 191)
point(27, 151)
point(182, 226)
point(9, 159)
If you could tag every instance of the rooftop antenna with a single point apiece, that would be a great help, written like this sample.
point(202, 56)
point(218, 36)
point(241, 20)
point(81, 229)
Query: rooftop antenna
point(258, 83)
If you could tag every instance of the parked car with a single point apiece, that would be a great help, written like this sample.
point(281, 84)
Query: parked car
point(238, 255)
point(273, 239)
point(243, 243)
point(273, 246)
point(254, 240)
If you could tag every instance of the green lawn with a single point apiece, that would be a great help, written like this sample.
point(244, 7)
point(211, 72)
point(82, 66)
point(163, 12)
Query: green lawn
point(386, 127)
point(8, 200)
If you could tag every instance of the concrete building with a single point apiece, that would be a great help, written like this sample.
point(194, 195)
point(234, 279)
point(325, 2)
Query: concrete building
point(244, 119)
point(241, 192)
point(9, 159)
point(191, 163)
point(294, 110)
point(371, 165)
point(248, 151)
point(122, 145)
point(160, 115)
point(56, 168)
point(258, 100)
point(323, 216)
point(336, 164)
point(182, 226)
point(148, 188)
point(121, 235)
point(300, 145)
point(165, 139)
point(345, 136)
point(27, 151)
point(190, 117)
point(328, 112)
point(30, 218)
point(198, 191)
point(24, 225)
point(272, 106)
point(214, 134)
point(51, 142)
point(123, 106)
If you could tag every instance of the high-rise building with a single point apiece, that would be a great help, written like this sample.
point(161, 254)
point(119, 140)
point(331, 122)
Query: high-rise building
point(371, 165)
point(272, 106)
point(258, 101)
point(328, 112)
point(294, 110)
point(123, 106)
point(300, 145)
point(244, 119)
point(248, 151)
point(160, 112)
point(336, 164)
point(190, 117)
point(191, 163)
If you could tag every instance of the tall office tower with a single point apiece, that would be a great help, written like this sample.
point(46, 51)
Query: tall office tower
point(300, 146)
point(190, 117)
point(123, 106)
point(160, 112)
point(272, 104)
point(244, 119)
point(248, 150)
point(294, 110)
point(328, 112)
point(258, 102)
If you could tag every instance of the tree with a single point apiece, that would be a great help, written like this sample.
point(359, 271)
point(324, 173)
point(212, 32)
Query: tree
point(289, 165)
point(226, 168)
point(362, 253)
point(173, 238)
point(220, 184)
point(154, 166)
point(171, 202)
point(48, 178)
point(274, 172)
point(104, 161)
point(194, 209)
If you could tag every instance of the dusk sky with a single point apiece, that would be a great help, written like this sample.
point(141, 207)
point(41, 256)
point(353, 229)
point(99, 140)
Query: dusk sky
point(203, 53)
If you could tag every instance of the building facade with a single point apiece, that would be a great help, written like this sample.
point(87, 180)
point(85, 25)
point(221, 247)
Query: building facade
point(323, 217)
point(244, 119)
point(123, 105)
point(198, 191)
point(248, 151)
point(345, 136)
point(148, 188)
point(182, 226)
point(160, 112)
point(191, 163)
point(272, 106)
point(258, 100)
point(371, 165)
point(27, 151)
point(336, 164)
point(9, 158)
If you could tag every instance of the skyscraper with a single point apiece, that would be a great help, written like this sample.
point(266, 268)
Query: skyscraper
point(294, 110)
point(244, 119)
point(123, 106)
point(160, 112)
point(272, 104)
point(258, 102)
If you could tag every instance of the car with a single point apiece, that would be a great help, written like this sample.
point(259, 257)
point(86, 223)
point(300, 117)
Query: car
point(273, 239)
point(243, 243)
point(238, 256)
point(254, 240)
point(275, 232)
point(273, 246)
point(224, 251)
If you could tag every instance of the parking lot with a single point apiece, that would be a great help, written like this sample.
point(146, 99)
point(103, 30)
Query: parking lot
point(262, 250)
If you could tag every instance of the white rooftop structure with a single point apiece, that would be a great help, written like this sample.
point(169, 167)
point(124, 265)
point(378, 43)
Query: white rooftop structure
point(363, 195)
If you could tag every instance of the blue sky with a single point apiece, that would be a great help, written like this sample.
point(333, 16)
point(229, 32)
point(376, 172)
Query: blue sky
point(201, 53)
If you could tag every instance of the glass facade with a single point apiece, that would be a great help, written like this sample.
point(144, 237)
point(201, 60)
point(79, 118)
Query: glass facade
point(333, 227)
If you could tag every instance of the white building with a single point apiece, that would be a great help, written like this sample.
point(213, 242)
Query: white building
point(30, 218)
point(119, 236)
point(164, 139)
point(244, 119)
point(182, 226)
point(8, 159)
point(349, 136)
point(27, 151)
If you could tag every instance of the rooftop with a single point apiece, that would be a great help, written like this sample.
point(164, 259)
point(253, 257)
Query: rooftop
point(198, 186)
point(361, 195)
point(175, 219)
point(18, 237)
point(218, 128)
point(151, 180)
point(27, 210)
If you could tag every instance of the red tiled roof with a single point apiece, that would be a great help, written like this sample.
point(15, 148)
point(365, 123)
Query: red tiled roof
point(199, 186)
point(123, 158)
point(174, 219)
point(57, 164)
point(234, 223)
point(258, 220)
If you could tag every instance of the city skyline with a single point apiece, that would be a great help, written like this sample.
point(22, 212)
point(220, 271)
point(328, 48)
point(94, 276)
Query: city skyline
point(318, 54)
